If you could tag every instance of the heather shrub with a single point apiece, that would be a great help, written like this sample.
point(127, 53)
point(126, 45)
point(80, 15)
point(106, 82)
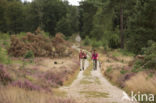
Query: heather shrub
point(39, 46)
point(4, 76)
point(26, 85)
point(61, 47)
point(53, 78)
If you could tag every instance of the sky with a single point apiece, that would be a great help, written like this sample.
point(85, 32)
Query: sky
point(72, 2)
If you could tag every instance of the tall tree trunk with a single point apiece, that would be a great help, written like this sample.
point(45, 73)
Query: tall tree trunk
point(121, 27)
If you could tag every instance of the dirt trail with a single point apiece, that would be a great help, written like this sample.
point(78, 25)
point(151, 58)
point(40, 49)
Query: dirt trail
point(94, 88)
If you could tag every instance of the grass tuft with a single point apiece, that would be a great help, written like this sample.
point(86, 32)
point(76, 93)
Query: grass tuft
point(71, 78)
point(94, 94)
point(87, 72)
point(85, 82)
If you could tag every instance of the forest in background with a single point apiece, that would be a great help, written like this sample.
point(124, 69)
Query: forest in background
point(128, 24)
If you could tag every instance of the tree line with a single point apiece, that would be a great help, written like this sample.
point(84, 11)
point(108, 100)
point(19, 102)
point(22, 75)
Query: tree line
point(126, 24)
point(51, 15)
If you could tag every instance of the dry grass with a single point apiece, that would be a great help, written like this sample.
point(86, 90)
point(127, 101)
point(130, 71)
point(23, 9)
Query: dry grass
point(17, 95)
point(120, 57)
point(46, 64)
point(142, 82)
point(94, 94)
point(71, 77)
point(85, 82)
point(87, 72)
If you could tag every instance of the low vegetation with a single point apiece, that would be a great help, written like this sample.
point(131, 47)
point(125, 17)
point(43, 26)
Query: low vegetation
point(85, 82)
point(87, 72)
point(94, 94)
point(129, 73)
point(39, 46)
point(33, 64)
point(18, 95)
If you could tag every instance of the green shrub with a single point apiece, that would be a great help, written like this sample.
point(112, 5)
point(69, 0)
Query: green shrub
point(29, 54)
point(96, 44)
point(109, 70)
point(150, 55)
point(123, 71)
point(114, 41)
point(4, 36)
point(21, 34)
point(3, 56)
point(6, 43)
point(105, 45)
point(126, 52)
point(137, 66)
point(87, 41)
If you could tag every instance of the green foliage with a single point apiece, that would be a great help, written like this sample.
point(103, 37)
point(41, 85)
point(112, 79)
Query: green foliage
point(96, 44)
point(109, 69)
point(98, 19)
point(105, 45)
point(4, 36)
point(114, 41)
point(64, 26)
point(52, 16)
point(141, 25)
point(29, 54)
point(150, 55)
point(87, 41)
point(149, 61)
point(126, 52)
point(123, 71)
point(137, 66)
point(4, 57)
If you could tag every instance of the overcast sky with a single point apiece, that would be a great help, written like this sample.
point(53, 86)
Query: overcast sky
point(73, 2)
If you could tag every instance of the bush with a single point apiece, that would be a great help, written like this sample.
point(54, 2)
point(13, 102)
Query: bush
point(123, 71)
point(96, 44)
point(29, 54)
point(4, 76)
point(53, 78)
point(26, 85)
point(3, 56)
point(105, 45)
point(4, 36)
point(137, 66)
point(39, 46)
point(87, 41)
point(126, 52)
point(114, 41)
point(150, 55)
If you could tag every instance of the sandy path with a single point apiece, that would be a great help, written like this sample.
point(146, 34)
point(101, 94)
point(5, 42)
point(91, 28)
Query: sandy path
point(85, 88)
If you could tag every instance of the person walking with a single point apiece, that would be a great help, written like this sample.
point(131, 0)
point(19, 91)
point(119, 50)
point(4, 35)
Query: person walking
point(95, 59)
